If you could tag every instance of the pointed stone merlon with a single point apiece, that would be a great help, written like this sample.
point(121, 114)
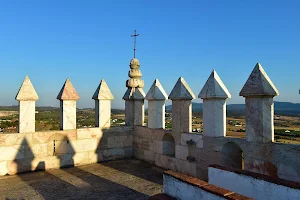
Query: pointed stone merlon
point(27, 97)
point(68, 97)
point(181, 97)
point(156, 97)
point(134, 107)
point(259, 92)
point(103, 98)
point(214, 94)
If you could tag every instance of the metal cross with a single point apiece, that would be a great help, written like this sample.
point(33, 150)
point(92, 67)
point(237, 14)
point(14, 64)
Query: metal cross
point(135, 35)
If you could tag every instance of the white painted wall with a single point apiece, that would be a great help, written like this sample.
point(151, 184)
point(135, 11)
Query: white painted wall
point(251, 187)
point(181, 190)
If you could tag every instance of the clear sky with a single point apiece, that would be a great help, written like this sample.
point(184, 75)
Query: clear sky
point(89, 40)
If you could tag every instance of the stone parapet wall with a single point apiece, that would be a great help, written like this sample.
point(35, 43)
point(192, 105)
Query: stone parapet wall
point(253, 185)
point(149, 146)
point(22, 152)
point(195, 152)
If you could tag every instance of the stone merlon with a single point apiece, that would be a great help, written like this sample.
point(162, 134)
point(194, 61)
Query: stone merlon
point(68, 92)
point(27, 91)
point(214, 88)
point(181, 91)
point(259, 84)
point(156, 92)
point(134, 94)
point(103, 92)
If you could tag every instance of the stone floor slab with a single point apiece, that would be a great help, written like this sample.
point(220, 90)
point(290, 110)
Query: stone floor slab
point(124, 179)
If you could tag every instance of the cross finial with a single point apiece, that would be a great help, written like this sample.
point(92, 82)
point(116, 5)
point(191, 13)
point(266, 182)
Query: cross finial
point(134, 35)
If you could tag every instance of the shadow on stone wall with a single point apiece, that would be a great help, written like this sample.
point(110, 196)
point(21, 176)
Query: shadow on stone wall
point(168, 145)
point(232, 156)
point(23, 159)
point(65, 152)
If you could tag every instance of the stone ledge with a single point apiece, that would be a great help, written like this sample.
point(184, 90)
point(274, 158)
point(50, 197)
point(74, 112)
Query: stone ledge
point(227, 194)
point(278, 181)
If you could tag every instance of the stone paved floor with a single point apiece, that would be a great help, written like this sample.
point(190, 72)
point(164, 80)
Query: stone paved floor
point(125, 179)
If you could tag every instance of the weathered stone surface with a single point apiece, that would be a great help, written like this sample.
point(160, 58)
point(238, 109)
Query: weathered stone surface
point(134, 94)
point(119, 141)
point(129, 113)
point(129, 179)
point(214, 117)
point(259, 119)
point(67, 114)
point(15, 139)
point(156, 114)
point(181, 118)
point(197, 139)
point(181, 152)
point(27, 91)
point(45, 137)
point(134, 106)
point(138, 153)
point(214, 88)
point(102, 113)
point(87, 133)
point(27, 97)
point(68, 92)
point(156, 92)
point(181, 91)
point(149, 156)
point(103, 92)
point(26, 116)
point(135, 75)
point(259, 84)
point(139, 113)
point(158, 146)
point(84, 145)
point(186, 167)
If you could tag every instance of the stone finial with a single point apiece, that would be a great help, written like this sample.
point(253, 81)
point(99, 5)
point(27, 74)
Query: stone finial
point(103, 92)
point(27, 91)
point(214, 88)
point(134, 94)
point(156, 92)
point(259, 84)
point(135, 75)
point(68, 92)
point(181, 91)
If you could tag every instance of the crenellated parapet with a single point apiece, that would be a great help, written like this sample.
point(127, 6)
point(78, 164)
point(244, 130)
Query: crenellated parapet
point(178, 149)
point(68, 97)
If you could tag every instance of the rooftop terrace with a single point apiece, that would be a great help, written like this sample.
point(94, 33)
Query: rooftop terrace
point(132, 179)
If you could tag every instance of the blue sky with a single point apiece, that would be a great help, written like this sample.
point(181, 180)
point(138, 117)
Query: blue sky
point(89, 40)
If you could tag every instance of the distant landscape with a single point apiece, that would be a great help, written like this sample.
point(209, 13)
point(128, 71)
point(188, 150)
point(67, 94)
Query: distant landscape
point(281, 108)
point(286, 120)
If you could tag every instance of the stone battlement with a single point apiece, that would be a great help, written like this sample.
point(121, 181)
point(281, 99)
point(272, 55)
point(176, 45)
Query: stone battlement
point(179, 149)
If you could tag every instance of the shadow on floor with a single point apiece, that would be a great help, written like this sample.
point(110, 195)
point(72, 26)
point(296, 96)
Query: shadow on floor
point(65, 183)
point(142, 169)
point(103, 188)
